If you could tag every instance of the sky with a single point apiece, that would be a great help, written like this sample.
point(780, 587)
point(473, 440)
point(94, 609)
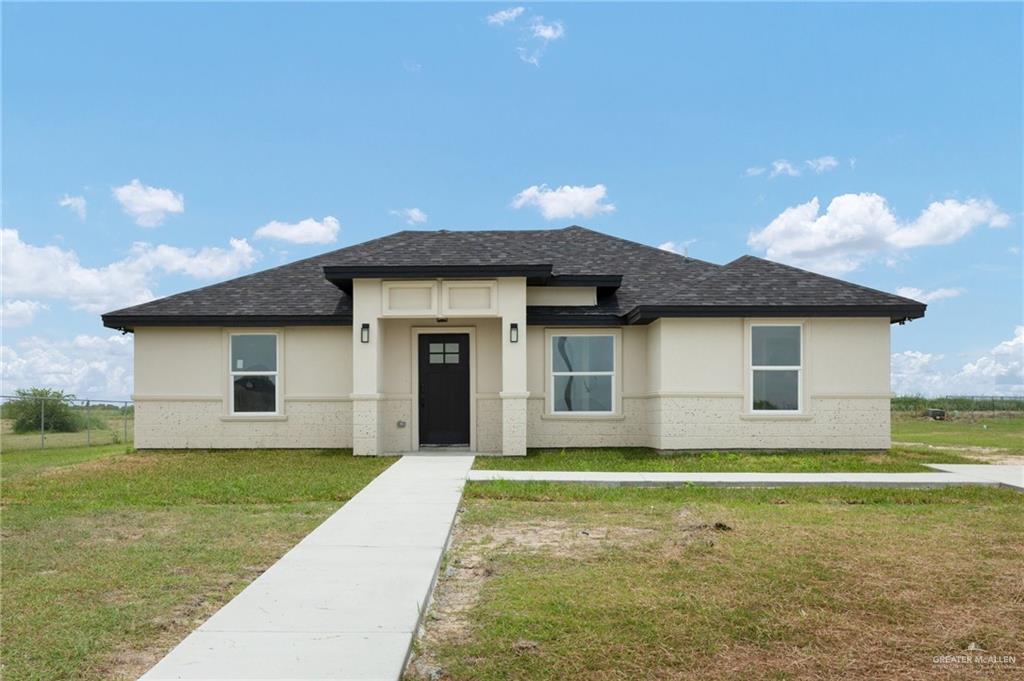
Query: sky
point(154, 148)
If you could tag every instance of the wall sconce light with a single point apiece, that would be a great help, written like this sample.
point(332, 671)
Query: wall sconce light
point(364, 333)
point(513, 333)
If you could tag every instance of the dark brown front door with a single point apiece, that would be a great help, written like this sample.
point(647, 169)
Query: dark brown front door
point(444, 389)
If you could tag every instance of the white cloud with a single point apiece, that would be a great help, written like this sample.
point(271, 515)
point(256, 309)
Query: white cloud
point(76, 204)
point(856, 228)
point(209, 262)
point(147, 205)
point(998, 372)
point(681, 248)
point(547, 32)
point(53, 272)
point(783, 167)
point(754, 171)
point(90, 367)
point(566, 201)
point(823, 164)
point(923, 296)
point(505, 16)
point(412, 216)
point(308, 231)
point(20, 312)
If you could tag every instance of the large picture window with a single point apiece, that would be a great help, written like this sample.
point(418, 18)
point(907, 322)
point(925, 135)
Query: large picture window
point(254, 373)
point(775, 367)
point(583, 374)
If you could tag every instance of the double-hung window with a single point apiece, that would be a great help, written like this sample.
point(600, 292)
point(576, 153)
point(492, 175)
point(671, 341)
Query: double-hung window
point(583, 374)
point(254, 365)
point(776, 365)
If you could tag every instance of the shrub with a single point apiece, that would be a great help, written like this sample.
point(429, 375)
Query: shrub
point(53, 407)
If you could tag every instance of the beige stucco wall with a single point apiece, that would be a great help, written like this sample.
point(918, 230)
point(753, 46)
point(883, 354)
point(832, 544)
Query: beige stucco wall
point(682, 384)
point(182, 383)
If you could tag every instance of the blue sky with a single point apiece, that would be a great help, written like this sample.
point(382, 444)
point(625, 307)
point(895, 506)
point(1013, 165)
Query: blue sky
point(711, 127)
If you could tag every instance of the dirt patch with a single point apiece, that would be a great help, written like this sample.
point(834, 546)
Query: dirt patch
point(993, 455)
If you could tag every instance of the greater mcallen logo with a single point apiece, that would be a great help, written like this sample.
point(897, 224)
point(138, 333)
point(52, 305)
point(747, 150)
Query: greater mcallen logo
point(974, 654)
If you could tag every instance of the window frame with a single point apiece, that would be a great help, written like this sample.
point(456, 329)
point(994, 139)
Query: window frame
point(614, 373)
point(752, 368)
point(233, 373)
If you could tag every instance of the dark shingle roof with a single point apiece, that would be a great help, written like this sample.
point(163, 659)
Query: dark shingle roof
point(653, 282)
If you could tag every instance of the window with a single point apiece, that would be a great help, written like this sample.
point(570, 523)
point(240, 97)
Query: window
point(583, 374)
point(775, 366)
point(444, 353)
point(254, 373)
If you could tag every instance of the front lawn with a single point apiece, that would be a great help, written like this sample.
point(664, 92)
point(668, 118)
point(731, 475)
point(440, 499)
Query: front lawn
point(562, 582)
point(109, 559)
point(897, 459)
point(1005, 433)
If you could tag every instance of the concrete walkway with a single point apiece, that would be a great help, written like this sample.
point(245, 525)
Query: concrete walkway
point(937, 479)
point(346, 601)
point(1004, 474)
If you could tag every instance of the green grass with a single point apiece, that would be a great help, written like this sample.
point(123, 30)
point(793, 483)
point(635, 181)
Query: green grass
point(898, 459)
point(1003, 433)
point(800, 583)
point(111, 558)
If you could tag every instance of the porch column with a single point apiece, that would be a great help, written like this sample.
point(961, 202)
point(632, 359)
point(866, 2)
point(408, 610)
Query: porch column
point(366, 308)
point(512, 308)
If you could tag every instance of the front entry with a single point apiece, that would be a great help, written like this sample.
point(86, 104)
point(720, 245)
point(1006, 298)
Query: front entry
point(444, 389)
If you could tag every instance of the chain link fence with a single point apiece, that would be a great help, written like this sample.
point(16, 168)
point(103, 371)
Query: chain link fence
point(38, 422)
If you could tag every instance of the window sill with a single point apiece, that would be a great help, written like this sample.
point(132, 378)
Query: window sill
point(256, 417)
point(582, 417)
point(775, 417)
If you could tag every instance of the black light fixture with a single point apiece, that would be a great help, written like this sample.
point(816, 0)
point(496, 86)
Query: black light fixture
point(513, 333)
point(364, 333)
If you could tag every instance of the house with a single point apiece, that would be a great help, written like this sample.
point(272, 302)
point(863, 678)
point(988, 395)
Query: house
point(496, 341)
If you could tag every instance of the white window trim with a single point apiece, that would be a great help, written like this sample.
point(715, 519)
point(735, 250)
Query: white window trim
point(751, 368)
point(549, 337)
point(232, 373)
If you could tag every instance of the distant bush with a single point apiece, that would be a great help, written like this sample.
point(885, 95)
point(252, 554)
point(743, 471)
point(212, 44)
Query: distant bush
point(919, 403)
point(51, 410)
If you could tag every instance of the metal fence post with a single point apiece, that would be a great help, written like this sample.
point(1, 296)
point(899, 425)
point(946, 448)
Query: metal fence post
point(88, 426)
point(42, 423)
point(124, 408)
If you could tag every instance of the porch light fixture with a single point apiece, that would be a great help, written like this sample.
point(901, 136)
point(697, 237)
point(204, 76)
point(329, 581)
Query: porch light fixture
point(513, 333)
point(364, 333)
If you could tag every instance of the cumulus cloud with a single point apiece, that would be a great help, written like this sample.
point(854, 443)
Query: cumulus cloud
point(505, 16)
point(856, 228)
point(76, 204)
point(20, 312)
point(148, 206)
point(565, 201)
point(308, 231)
point(412, 216)
point(754, 171)
point(547, 31)
point(53, 272)
point(680, 248)
point(783, 167)
point(997, 372)
point(90, 367)
point(928, 296)
point(823, 164)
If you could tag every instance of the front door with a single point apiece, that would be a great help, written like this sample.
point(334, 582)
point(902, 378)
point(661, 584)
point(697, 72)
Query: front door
point(444, 389)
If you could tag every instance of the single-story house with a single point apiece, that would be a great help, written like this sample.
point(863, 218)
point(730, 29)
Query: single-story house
point(496, 341)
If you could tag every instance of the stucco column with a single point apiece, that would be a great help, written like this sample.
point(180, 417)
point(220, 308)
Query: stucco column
point(366, 309)
point(512, 308)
